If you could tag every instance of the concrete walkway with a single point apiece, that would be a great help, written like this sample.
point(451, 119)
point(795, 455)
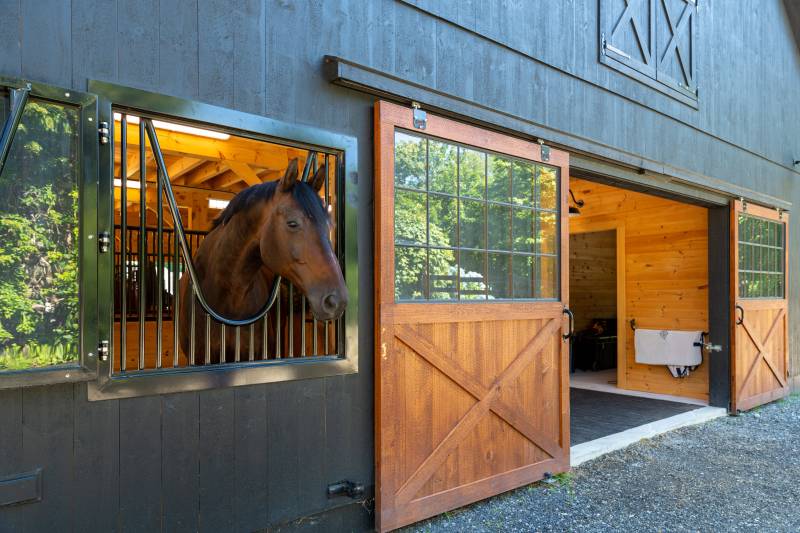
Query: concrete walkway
point(730, 474)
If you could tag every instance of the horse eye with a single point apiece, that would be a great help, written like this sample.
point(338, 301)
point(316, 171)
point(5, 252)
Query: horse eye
point(293, 224)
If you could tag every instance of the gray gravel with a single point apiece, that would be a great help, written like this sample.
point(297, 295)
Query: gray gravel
point(731, 474)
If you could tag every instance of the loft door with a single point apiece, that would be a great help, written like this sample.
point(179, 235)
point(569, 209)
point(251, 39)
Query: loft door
point(760, 351)
point(471, 365)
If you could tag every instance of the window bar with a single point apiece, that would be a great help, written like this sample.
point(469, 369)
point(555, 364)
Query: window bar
point(327, 203)
point(251, 353)
point(237, 348)
point(142, 244)
point(264, 338)
point(190, 355)
point(303, 326)
point(208, 339)
point(222, 347)
point(458, 224)
point(278, 328)
point(176, 262)
point(160, 267)
point(290, 319)
point(123, 242)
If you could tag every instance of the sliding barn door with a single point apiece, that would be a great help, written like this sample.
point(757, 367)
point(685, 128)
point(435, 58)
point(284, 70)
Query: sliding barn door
point(471, 366)
point(759, 270)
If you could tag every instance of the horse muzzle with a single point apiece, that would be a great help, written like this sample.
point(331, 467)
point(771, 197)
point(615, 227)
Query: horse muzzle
point(329, 306)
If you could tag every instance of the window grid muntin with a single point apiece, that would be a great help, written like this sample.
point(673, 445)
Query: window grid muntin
point(536, 284)
point(759, 281)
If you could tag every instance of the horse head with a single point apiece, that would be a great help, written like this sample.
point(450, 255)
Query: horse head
point(294, 243)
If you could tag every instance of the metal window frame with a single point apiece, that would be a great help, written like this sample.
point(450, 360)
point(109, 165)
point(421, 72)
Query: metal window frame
point(193, 378)
point(85, 368)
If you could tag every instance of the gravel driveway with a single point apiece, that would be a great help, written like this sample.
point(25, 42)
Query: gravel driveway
point(731, 474)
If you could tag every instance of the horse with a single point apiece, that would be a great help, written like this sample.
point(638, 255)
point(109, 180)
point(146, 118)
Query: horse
point(277, 228)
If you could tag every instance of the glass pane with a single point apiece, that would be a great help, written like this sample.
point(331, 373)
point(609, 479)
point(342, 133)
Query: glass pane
point(547, 233)
point(410, 273)
point(444, 274)
point(39, 240)
point(523, 276)
point(409, 217)
point(472, 227)
point(522, 175)
point(548, 188)
point(523, 230)
point(498, 179)
point(443, 167)
point(473, 275)
point(409, 160)
point(443, 220)
point(472, 173)
point(499, 227)
point(499, 275)
point(548, 278)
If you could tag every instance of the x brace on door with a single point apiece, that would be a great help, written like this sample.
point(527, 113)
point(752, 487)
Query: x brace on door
point(488, 400)
point(762, 352)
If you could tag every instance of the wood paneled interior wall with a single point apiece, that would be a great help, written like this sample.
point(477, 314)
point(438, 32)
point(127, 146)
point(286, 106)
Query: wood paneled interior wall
point(666, 274)
point(592, 276)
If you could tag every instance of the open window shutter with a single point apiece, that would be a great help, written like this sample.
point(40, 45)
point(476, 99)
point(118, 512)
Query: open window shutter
point(676, 23)
point(628, 33)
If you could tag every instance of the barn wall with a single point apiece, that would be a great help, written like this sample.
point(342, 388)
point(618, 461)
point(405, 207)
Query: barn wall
point(666, 274)
point(592, 276)
point(249, 457)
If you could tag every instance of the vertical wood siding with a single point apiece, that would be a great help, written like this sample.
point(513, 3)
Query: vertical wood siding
point(247, 458)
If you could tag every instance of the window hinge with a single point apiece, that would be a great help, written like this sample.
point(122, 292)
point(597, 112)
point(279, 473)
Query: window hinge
point(103, 132)
point(780, 213)
point(102, 351)
point(545, 150)
point(605, 47)
point(104, 241)
point(420, 116)
point(744, 204)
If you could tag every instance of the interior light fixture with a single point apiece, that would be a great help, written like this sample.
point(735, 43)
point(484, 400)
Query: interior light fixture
point(130, 184)
point(574, 209)
point(179, 128)
point(216, 203)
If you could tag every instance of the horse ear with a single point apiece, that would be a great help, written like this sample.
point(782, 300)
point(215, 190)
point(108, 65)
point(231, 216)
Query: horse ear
point(319, 179)
point(288, 180)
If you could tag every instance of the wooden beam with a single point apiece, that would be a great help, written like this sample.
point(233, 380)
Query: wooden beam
point(205, 172)
point(181, 166)
point(255, 153)
point(244, 172)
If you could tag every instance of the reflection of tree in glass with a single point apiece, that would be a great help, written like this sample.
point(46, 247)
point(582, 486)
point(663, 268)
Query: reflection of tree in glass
point(409, 161)
point(547, 188)
point(39, 240)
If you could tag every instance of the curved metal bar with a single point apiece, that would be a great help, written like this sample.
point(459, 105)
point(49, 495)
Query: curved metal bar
point(740, 320)
point(179, 230)
point(19, 97)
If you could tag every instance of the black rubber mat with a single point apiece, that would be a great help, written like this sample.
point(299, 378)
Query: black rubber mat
point(596, 414)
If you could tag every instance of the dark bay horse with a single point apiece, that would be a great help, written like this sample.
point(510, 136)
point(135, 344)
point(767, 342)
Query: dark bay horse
point(275, 228)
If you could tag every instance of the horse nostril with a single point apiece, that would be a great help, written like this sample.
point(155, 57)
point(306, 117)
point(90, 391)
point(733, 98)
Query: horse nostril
point(331, 303)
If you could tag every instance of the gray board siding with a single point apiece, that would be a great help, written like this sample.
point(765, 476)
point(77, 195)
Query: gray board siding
point(253, 457)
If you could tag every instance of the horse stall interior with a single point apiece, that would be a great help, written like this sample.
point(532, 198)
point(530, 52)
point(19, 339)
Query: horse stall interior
point(206, 169)
point(636, 261)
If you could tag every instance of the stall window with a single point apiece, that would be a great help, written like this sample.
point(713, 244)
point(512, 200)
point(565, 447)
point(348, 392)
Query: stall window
point(471, 224)
point(762, 250)
point(47, 177)
point(173, 173)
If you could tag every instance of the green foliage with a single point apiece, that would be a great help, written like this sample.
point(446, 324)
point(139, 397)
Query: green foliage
point(39, 307)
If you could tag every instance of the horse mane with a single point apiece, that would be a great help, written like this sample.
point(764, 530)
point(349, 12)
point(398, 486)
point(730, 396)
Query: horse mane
point(302, 192)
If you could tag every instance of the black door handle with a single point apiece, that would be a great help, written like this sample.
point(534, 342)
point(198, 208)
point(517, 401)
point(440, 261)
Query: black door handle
point(571, 323)
point(740, 319)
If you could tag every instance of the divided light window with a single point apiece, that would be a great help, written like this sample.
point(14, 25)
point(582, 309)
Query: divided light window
point(471, 224)
point(761, 257)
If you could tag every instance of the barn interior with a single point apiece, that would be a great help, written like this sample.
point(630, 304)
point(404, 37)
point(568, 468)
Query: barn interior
point(637, 261)
point(206, 169)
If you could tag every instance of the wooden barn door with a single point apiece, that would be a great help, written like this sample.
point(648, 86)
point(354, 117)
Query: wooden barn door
point(759, 274)
point(472, 394)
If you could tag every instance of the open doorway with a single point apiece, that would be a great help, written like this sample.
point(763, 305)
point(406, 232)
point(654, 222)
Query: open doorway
point(638, 267)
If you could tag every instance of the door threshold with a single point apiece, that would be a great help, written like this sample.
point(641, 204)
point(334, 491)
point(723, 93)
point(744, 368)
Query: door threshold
point(586, 451)
point(613, 389)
